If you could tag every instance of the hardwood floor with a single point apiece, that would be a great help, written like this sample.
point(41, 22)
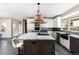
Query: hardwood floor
point(59, 50)
point(7, 49)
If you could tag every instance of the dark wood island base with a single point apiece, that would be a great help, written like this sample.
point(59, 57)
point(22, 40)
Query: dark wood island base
point(39, 47)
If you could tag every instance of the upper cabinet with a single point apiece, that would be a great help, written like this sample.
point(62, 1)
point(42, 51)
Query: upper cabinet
point(30, 25)
point(57, 22)
point(65, 25)
point(49, 23)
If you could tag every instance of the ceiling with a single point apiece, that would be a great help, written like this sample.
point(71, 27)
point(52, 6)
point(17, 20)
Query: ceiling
point(29, 9)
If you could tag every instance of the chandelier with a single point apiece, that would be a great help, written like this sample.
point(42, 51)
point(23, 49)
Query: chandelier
point(38, 17)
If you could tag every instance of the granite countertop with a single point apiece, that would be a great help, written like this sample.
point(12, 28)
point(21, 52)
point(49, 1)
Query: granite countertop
point(62, 32)
point(34, 36)
point(73, 35)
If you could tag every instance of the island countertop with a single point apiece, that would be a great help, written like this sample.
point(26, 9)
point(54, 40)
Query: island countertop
point(34, 36)
point(73, 35)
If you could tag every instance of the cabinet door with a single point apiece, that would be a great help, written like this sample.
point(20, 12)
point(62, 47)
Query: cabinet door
point(58, 38)
point(62, 41)
point(65, 43)
point(47, 47)
point(31, 47)
point(54, 34)
point(74, 44)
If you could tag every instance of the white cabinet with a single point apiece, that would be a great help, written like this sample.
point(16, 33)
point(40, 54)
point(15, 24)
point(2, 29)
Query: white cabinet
point(54, 34)
point(57, 22)
point(30, 25)
point(65, 43)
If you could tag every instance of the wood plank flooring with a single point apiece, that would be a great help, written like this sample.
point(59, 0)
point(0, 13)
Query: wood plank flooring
point(7, 49)
point(59, 50)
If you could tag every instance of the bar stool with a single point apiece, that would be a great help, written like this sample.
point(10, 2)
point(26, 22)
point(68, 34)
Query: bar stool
point(17, 43)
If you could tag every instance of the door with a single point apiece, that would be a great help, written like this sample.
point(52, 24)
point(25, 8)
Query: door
point(24, 26)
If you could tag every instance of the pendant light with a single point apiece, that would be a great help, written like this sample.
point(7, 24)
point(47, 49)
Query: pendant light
point(38, 16)
point(38, 19)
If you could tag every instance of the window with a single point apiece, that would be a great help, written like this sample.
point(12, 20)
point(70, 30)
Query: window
point(2, 27)
point(65, 25)
point(74, 25)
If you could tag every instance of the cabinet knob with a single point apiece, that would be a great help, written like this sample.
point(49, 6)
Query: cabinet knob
point(34, 42)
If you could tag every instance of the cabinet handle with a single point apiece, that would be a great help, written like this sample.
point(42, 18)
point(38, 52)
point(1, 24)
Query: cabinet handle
point(33, 42)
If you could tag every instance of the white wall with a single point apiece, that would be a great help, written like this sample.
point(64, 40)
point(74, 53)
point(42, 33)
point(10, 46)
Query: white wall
point(16, 27)
point(30, 25)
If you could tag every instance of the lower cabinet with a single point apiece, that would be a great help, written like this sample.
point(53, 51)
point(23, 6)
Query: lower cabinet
point(39, 47)
point(74, 44)
point(65, 43)
point(54, 34)
point(58, 38)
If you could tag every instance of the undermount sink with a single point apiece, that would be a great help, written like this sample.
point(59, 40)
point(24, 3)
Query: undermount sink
point(43, 34)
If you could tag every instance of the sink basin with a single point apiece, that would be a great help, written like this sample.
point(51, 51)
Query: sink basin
point(42, 34)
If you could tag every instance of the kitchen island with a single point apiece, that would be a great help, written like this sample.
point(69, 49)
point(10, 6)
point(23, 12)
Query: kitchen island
point(34, 44)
